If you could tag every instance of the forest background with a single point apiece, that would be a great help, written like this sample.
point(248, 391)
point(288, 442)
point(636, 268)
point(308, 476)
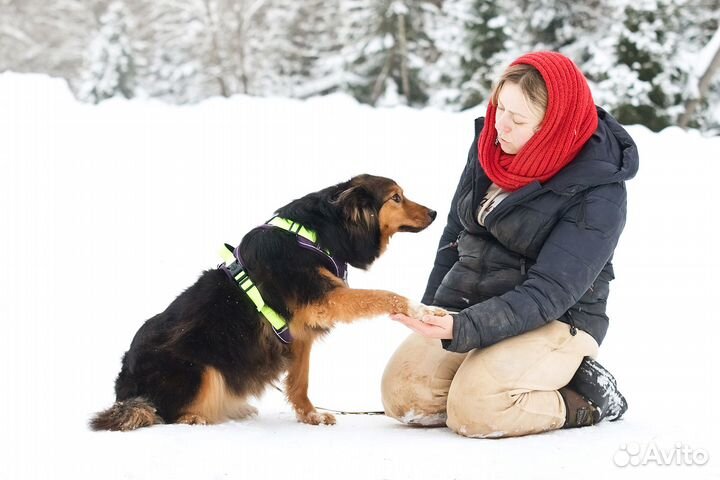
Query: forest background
point(650, 62)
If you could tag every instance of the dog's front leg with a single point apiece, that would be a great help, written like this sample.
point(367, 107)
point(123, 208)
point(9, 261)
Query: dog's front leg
point(297, 385)
point(347, 305)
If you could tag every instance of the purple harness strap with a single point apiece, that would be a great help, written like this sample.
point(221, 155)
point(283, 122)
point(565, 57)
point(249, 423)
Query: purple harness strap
point(340, 268)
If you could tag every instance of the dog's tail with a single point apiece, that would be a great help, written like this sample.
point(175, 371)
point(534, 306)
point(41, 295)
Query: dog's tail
point(126, 415)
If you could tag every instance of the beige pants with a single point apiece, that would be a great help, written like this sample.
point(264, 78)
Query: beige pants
point(505, 390)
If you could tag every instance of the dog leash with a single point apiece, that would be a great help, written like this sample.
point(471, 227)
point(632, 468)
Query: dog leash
point(339, 412)
point(344, 412)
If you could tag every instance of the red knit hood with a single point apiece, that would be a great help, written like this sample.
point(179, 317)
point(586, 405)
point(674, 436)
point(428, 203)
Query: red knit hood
point(570, 120)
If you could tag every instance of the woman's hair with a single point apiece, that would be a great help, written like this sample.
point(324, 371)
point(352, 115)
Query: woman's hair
point(531, 84)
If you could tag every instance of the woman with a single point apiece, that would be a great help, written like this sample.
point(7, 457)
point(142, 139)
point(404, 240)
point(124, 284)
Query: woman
point(525, 264)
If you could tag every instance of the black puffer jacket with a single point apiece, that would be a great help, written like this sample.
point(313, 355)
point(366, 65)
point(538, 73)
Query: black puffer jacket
point(545, 251)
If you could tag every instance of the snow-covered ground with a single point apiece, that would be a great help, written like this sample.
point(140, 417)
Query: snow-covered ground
point(108, 212)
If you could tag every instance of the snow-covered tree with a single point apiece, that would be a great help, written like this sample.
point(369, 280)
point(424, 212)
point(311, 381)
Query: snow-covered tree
point(485, 36)
point(646, 60)
point(313, 59)
point(37, 38)
point(702, 93)
point(645, 74)
point(647, 80)
point(245, 42)
point(177, 51)
point(111, 59)
point(388, 51)
point(499, 31)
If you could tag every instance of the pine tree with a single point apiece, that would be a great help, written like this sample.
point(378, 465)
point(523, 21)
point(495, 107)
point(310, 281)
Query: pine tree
point(486, 36)
point(388, 50)
point(246, 38)
point(445, 28)
point(642, 53)
point(177, 50)
point(701, 36)
point(499, 31)
point(653, 74)
point(313, 61)
point(111, 62)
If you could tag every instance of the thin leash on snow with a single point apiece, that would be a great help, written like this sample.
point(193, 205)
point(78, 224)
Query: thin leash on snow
point(347, 412)
point(339, 412)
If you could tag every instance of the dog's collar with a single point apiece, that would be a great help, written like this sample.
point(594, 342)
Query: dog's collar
point(234, 267)
point(308, 239)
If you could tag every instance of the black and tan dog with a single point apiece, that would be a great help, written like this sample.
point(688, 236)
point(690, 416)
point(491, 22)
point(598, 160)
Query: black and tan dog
point(199, 360)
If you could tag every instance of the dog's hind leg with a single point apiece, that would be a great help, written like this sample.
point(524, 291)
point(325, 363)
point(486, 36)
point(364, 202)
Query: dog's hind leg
point(192, 419)
point(215, 402)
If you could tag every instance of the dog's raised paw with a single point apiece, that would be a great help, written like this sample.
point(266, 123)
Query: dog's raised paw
point(438, 312)
point(316, 418)
point(418, 310)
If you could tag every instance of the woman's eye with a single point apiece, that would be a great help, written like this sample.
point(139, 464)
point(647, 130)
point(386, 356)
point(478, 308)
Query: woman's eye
point(396, 198)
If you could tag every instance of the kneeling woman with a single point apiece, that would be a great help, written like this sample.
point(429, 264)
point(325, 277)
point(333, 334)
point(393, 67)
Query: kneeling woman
point(525, 262)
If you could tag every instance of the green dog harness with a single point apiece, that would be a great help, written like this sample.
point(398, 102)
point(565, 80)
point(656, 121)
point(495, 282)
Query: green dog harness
point(234, 267)
point(236, 270)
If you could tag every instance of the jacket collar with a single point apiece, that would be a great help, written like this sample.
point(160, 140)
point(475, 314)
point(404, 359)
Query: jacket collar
point(609, 156)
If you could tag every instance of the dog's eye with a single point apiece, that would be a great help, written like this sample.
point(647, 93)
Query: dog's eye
point(396, 198)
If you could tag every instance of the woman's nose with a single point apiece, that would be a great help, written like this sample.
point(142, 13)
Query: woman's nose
point(503, 123)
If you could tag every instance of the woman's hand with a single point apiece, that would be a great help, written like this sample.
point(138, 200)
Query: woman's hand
point(431, 326)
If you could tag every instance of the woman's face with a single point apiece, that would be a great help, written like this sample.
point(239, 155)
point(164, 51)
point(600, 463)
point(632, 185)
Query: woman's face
point(516, 119)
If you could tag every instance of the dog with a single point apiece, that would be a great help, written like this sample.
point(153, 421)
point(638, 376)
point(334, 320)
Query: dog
point(200, 360)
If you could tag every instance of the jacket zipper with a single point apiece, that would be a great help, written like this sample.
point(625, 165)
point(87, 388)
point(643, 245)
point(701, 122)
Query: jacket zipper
point(580, 220)
point(449, 245)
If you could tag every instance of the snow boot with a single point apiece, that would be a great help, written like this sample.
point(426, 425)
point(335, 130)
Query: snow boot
point(578, 411)
point(597, 388)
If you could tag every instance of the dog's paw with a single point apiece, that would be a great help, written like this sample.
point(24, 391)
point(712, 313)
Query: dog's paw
point(438, 312)
point(192, 419)
point(250, 411)
point(316, 418)
point(243, 411)
point(418, 311)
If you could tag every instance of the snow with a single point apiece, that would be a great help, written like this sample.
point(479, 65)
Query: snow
point(418, 418)
point(109, 211)
point(707, 53)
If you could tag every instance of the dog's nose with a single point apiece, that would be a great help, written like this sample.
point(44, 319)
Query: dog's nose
point(432, 214)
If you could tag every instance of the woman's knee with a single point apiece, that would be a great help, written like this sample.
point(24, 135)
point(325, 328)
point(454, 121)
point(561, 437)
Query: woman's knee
point(477, 403)
point(478, 415)
point(414, 387)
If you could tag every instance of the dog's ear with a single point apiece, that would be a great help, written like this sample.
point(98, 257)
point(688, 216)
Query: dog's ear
point(358, 206)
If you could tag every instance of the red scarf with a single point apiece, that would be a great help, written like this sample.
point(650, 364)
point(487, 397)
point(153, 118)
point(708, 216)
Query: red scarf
point(570, 120)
